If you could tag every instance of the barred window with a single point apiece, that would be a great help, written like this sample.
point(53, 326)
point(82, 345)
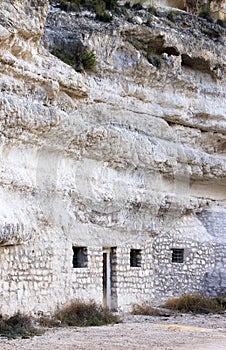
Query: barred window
point(80, 258)
point(177, 255)
point(135, 257)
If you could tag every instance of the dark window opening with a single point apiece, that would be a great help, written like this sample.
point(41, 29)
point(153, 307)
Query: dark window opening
point(80, 257)
point(177, 255)
point(135, 257)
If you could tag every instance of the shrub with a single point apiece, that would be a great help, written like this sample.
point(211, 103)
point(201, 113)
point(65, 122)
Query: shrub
point(48, 321)
point(83, 314)
point(221, 22)
point(104, 9)
point(88, 59)
point(18, 326)
point(154, 10)
point(197, 303)
point(147, 310)
point(103, 15)
point(205, 12)
point(80, 58)
point(172, 15)
point(69, 5)
point(110, 4)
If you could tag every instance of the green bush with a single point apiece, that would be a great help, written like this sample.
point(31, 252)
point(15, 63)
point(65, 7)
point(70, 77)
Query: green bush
point(197, 303)
point(172, 15)
point(88, 59)
point(205, 12)
point(18, 326)
point(221, 22)
point(104, 9)
point(70, 5)
point(82, 59)
point(83, 314)
point(103, 15)
point(152, 9)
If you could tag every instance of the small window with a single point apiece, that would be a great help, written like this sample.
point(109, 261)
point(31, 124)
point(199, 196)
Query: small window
point(177, 255)
point(135, 257)
point(80, 258)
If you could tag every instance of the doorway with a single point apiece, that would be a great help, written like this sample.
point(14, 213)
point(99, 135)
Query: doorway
point(109, 278)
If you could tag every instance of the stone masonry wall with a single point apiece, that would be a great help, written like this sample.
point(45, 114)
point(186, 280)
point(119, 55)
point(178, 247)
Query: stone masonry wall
point(174, 279)
point(134, 284)
point(215, 279)
point(158, 278)
point(39, 277)
point(87, 283)
point(215, 224)
point(27, 278)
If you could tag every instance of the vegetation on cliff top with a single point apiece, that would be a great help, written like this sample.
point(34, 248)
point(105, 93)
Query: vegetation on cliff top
point(104, 9)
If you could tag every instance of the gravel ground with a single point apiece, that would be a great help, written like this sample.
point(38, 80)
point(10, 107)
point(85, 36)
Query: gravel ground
point(181, 332)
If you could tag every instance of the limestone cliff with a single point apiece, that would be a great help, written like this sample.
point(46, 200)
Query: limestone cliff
point(129, 154)
point(154, 122)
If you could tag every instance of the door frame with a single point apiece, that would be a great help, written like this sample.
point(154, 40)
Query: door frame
point(107, 277)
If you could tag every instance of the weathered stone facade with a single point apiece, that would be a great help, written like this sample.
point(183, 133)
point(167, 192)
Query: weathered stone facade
point(113, 181)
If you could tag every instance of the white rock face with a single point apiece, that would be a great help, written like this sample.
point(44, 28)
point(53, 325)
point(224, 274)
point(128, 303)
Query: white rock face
point(129, 156)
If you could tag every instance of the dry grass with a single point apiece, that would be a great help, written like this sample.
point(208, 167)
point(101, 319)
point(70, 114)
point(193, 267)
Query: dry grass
point(147, 310)
point(78, 314)
point(197, 303)
point(18, 326)
point(83, 314)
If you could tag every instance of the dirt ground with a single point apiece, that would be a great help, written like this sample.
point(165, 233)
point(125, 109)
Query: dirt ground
point(181, 332)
